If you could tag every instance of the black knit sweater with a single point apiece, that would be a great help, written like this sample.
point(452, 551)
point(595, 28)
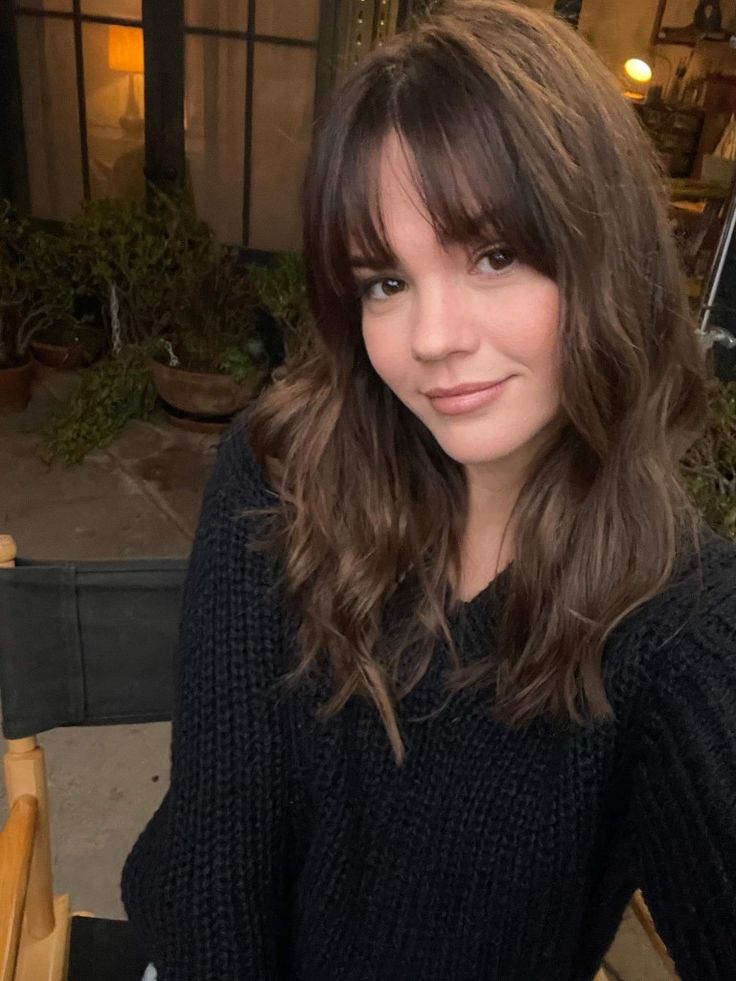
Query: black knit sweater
point(291, 848)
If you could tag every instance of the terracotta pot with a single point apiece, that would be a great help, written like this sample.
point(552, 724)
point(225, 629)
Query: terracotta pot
point(56, 355)
point(15, 386)
point(199, 393)
point(82, 348)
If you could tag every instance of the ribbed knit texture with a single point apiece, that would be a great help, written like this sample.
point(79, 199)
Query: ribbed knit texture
point(289, 848)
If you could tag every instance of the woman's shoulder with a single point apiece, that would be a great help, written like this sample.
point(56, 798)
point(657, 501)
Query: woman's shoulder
point(716, 591)
point(688, 632)
point(687, 627)
point(236, 471)
point(708, 597)
point(705, 589)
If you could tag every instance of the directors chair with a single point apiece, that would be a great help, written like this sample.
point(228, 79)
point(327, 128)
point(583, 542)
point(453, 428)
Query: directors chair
point(84, 643)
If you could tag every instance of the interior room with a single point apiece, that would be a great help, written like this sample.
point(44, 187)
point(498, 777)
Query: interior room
point(675, 60)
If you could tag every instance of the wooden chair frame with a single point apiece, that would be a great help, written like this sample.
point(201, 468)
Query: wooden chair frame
point(35, 924)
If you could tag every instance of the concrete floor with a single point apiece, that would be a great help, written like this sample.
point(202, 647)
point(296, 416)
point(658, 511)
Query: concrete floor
point(138, 497)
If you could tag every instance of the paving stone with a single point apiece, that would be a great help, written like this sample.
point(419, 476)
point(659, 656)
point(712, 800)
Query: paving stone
point(631, 955)
point(115, 525)
point(43, 402)
point(105, 782)
point(172, 466)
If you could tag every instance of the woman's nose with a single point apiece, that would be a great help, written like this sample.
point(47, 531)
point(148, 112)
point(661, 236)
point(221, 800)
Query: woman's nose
point(442, 324)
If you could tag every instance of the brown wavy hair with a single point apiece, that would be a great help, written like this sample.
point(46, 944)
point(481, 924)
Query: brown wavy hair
point(513, 126)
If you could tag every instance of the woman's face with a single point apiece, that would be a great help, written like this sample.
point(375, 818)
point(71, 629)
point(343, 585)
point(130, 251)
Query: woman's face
point(444, 318)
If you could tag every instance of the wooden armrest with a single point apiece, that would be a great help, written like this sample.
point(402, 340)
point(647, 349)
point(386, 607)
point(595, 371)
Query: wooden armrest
point(16, 851)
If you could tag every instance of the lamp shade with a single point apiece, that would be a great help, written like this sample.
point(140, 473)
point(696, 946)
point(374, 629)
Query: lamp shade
point(125, 48)
point(638, 70)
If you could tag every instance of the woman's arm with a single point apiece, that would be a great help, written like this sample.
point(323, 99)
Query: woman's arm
point(204, 886)
point(685, 796)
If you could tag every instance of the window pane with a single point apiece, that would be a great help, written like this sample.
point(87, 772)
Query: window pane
point(214, 113)
point(227, 15)
point(113, 82)
point(50, 115)
point(65, 5)
point(282, 126)
point(284, 18)
point(113, 8)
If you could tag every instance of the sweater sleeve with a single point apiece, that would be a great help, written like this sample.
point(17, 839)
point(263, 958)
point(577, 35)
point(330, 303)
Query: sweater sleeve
point(685, 797)
point(204, 886)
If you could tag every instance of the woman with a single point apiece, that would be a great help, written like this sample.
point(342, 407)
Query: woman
point(457, 672)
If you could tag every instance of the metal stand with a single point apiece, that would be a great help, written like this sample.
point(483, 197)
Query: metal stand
point(715, 334)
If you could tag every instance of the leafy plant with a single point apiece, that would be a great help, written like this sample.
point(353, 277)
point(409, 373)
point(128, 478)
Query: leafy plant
point(35, 293)
point(137, 253)
point(281, 289)
point(212, 317)
point(241, 364)
point(110, 394)
point(709, 467)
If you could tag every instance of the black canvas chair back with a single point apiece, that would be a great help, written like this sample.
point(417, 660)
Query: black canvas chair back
point(88, 643)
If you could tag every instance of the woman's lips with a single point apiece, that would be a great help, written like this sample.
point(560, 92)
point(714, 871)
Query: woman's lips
point(452, 405)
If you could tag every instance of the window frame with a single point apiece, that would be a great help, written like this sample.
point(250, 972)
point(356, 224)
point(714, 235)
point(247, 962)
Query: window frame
point(162, 22)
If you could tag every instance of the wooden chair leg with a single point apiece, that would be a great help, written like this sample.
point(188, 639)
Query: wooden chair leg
point(44, 942)
point(25, 774)
point(16, 852)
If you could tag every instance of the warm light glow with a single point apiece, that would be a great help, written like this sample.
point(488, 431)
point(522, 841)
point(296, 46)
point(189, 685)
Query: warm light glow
point(638, 70)
point(125, 48)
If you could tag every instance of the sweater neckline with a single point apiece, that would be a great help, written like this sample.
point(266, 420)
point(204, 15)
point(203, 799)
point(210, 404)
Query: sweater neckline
point(482, 597)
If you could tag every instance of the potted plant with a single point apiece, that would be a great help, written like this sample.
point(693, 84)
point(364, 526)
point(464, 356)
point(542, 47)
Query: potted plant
point(125, 250)
point(210, 362)
point(178, 311)
point(68, 346)
point(73, 336)
point(27, 304)
point(128, 249)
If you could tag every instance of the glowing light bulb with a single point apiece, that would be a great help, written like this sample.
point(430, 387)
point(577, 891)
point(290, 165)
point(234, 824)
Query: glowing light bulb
point(638, 70)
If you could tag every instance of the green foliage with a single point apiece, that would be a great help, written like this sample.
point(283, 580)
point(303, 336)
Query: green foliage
point(240, 364)
point(281, 289)
point(146, 250)
point(36, 293)
point(212, 312)
point(173, 281)
point(110, 394)
point(181, 297)
point(709, 468)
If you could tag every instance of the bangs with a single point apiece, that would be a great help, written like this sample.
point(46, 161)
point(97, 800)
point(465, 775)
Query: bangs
point(467, 171)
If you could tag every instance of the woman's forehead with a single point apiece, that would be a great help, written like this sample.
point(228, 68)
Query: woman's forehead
point(393, 185)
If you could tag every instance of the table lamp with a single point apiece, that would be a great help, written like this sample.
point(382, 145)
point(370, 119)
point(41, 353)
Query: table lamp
point(638, 70)
point(125, 54)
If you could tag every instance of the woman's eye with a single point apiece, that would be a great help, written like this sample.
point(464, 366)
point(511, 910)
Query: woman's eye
point(500, 257)
point(381, 289)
